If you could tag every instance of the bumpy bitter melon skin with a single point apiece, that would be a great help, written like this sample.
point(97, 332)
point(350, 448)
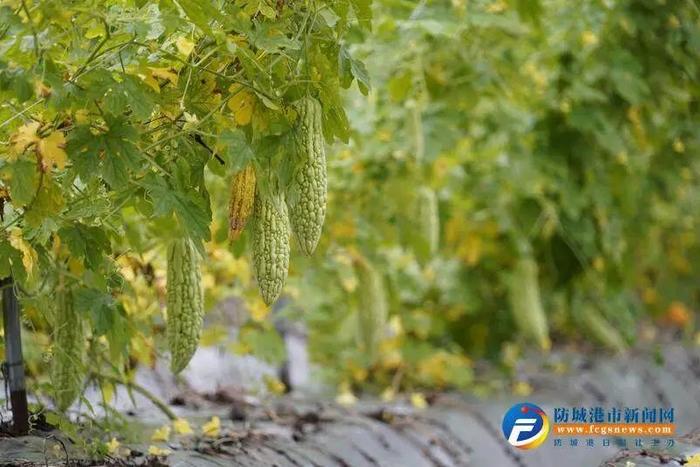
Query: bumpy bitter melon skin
point(373, 306)
point(241, 201)
point(185, 303)
point(428, 219)
point(270, 246)
point(67, 365)
point(526, 303)
point(307, 192)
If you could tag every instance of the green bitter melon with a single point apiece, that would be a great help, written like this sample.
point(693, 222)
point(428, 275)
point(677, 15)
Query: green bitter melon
point(428, 220)
point(185, 303)
point(67, 365)
point(373, 306)
point(307, 191)
point(526, 303)
point(270, 246)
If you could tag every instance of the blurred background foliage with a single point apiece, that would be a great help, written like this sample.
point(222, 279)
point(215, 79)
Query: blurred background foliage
point(557, 137)
point(562, 131)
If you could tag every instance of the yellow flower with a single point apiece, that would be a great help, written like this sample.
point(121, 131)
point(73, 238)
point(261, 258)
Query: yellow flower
point(212, 428)
point(156, 451)
point(418, 400)
point(274, 385)
point(161, 434)
point(522, 389)
point(182, 427)
point(345, 396)
point(388, 394)
point(113, 446)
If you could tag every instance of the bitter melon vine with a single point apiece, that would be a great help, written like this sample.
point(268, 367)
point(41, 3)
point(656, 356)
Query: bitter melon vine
point(428, 219)
point(270, 246)
point(373, 306)
point(526, 303)
point(67, 365)
point(185, 305)
point(307, 193)
point(241, 202)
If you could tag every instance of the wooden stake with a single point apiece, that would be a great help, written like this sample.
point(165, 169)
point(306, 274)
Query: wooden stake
point(14, 364)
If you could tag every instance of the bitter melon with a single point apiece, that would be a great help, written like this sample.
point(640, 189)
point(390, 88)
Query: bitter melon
point(270, 246)
point(373, 306)
point(601, 330)
point(526, 303)
point(307, 191)
point(67, 365)
point(184, 301)
point(241, 202)
point(428, 220)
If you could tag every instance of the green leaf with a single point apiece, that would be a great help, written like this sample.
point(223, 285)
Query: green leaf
point(363, 12)
point(100, 306)
point(112, 154)
point(86, 242)
point(22, 179)
point(11, 262)
point(189, 208)
point(235, 149)
point(200, 12)
point(48, 204)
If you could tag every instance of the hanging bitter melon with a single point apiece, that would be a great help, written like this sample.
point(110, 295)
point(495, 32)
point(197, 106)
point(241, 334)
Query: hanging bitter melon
point(184, 302)
point(270, 246)
point(526, 303)
point(373, 306)
point(428, 221)
point(241, 200)
point(306, 196)
point(68, 362)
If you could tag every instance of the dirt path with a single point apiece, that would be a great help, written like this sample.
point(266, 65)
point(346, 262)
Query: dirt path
point(453, 431)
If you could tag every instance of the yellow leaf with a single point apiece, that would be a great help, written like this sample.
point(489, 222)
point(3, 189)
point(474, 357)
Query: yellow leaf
point(23, 138)
point(82, 116)
point(212, 428)
point(51, 150)
point(161, 434)
point(359, 374)
point(75, 265)
point(184, 46)
point(213, 335)
point(150, 81)
point(693, 461)
point(29, 254)
point(156, 451)
point(497, 7)
point(182, 427)
point(112, 446)
point(241, 104)
point(164, 73)
point(107, 391)
point(41, 89)
point(96, 30)
point(678, 146)
point(418, 400)
point(589, 38)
